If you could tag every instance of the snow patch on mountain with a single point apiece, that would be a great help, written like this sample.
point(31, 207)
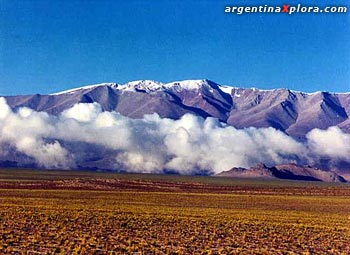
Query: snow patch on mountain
point(226, 89)
point(145, 85)
point(188, 85)
point(72, 91)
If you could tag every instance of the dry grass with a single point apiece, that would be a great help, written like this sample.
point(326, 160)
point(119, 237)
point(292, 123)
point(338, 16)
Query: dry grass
point(122, 221)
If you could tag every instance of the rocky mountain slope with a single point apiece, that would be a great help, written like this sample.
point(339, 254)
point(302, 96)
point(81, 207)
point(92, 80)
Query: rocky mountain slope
point(294, 113)
point(285, 171)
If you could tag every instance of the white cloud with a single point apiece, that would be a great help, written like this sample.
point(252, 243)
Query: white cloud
point(152, 144)
point(83, 112)
point(27, 131)
point(4, 109)
point(331, 143)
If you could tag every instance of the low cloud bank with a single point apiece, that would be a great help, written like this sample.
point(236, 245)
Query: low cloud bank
point(190, 145)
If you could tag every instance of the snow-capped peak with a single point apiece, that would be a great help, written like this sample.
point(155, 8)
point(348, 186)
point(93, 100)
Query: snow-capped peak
point(151, 86)
point(192, 85)
point(146, 85)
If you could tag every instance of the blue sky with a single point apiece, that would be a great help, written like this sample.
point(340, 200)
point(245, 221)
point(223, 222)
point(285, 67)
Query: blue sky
point(48, 46)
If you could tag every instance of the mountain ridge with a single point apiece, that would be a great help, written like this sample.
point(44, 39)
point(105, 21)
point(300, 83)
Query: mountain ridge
point(293, 112)
point(283, 171)
point(225, 87)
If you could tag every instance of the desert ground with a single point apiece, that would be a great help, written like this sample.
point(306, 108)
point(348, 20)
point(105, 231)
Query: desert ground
point(66, 212)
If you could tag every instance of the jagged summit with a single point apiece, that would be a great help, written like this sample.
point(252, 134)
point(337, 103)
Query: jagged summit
point(145, 85)
point(151, 86)
point(192, 84)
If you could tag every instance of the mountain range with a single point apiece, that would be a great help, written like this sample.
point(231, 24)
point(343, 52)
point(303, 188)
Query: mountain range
point(292, 112)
